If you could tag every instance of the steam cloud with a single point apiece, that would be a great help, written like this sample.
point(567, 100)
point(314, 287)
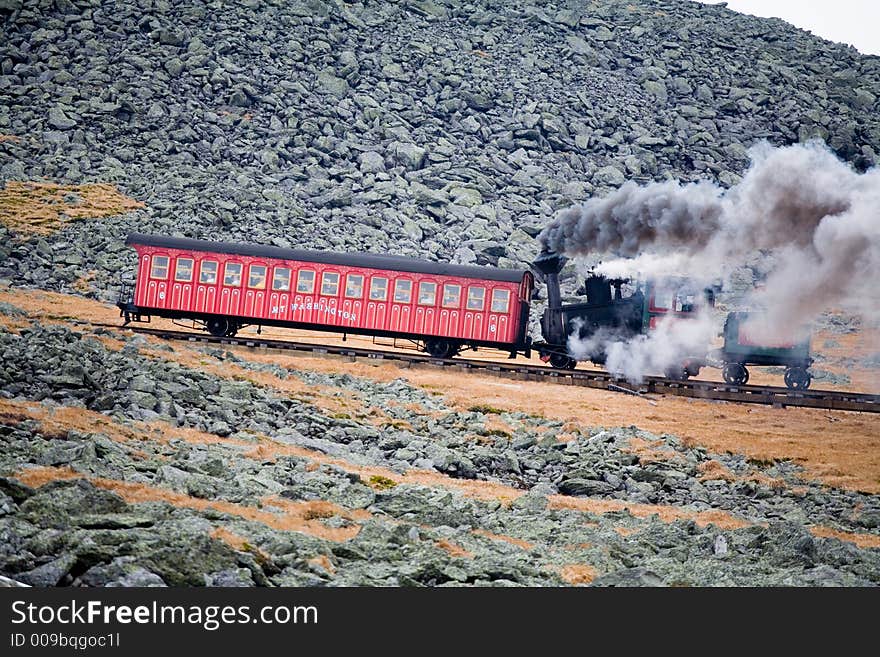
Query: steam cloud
point(821, 218)
point(670, 343)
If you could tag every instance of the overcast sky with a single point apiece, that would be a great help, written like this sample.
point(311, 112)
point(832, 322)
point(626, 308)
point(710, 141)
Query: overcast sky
point(856, 22)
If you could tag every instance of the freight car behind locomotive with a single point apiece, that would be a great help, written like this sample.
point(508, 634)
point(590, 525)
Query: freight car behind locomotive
point(741, 349)
point(224, 287)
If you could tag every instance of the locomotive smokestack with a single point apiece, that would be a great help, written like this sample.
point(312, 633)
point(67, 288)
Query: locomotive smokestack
point(547, 266)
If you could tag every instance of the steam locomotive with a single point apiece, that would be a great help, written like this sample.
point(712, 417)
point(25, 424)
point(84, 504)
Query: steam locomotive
point(610, 314)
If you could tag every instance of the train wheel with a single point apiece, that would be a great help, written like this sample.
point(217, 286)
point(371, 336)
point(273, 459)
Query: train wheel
point(735, 374)
point(562, 362)
point(439, 348)
point(677, 373)
point(219, 326)
point(797, 378)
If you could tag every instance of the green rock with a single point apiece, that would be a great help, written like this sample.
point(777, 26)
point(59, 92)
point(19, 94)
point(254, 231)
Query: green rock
point(466, 196)
point(331, 85)
point(424, 194)
point(578, 46)
point(408, 154)
point(610, 176)
point(602, 33)
point(174, 66)
point(412, 230)
point(56, 503)
point(657, 89)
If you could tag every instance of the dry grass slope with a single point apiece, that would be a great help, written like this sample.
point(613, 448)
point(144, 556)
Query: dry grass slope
point(43, 208)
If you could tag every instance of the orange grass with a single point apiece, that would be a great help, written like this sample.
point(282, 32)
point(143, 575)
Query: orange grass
point(577, 573)
point(292, 516)
point(42, 208)
point(454, 549)
point(861, 540)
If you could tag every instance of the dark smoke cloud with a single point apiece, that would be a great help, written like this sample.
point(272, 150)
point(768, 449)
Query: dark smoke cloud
point(633, 218)
point(819, 216)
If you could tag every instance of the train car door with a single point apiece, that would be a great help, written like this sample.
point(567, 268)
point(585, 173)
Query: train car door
point(230, 295)
point(450, 310)
point(474, 314)
point(401, 311)
point(255, 291)
point(304, 299)
point(328, 301)
point(206, 291)
point(181, 289)
point(353, 299)
point(279, 297)
point(157, 282)
point(377, 303)
point(426, 308)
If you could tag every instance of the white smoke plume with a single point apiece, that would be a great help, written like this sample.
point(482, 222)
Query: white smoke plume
point(672, 342)
point(819, 216)
point(593, 345)
point(645, 264)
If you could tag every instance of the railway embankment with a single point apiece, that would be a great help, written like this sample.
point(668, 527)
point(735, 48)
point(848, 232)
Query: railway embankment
point(120, 454)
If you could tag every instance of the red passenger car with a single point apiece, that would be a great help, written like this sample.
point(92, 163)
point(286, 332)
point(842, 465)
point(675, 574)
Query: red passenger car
point(226, 286)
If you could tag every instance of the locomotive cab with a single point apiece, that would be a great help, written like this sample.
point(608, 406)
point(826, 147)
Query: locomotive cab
point(675, 296)
point(615, 310)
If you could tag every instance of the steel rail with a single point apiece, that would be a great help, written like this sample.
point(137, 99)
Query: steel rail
point(694, 388)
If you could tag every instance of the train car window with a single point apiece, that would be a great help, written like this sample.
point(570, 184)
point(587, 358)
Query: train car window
point(500, 301)
point(402, 291)
point(305, 281)
point(475, 298)
point(281, 279)
point(232, 273)
point(354, 286)
point(451, 295)
point(378, 288)
point(663, 299)
point(330, 283)
point(427, 293)
point(257, 278)
point(208, 272)
point(183, 271)
point(687, 303)
point(159, 267)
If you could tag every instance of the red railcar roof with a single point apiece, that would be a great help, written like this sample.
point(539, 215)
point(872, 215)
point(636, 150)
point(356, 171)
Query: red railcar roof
point(373, 261)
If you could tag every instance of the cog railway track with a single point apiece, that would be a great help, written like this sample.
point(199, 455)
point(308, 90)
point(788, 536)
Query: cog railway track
point(694, 388)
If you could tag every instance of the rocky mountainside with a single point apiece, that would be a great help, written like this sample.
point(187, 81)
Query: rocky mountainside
point(437, 129)
point(181, 465)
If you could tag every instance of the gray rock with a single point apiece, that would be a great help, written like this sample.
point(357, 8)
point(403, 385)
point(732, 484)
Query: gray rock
point(328, 83)
point(57, 502)
point(477, 101)
point(60, 120)
point(610, 175)
point(657, 89)
point(174, 66)
point(585, 487)
point(233, 577)
point(629, 577)
point(49, 574)
point(409, 155)
point(371, 162)
point(7, 582)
